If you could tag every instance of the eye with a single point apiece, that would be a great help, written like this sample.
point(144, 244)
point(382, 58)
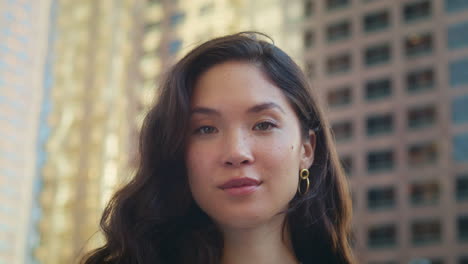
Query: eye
point(205, 130)
point(266, 125)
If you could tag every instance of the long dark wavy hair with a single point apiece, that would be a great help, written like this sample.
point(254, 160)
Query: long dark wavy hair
point(154, 218)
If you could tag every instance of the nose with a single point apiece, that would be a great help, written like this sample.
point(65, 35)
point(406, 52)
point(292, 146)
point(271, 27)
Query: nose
point(237, 150)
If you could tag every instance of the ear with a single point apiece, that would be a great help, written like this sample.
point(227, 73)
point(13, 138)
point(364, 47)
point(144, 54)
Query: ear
point(308, 150)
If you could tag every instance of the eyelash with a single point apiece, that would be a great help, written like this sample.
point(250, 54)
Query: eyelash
point(270, 125)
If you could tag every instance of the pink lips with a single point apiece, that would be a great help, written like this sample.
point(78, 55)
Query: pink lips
point(240, 186)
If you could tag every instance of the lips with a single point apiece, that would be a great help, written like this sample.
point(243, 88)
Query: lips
point(239, 183)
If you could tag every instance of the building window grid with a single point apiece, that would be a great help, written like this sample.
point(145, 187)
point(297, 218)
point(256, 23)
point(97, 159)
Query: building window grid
point(380, 124)
point(343, 130)
point(463, 260)
point(308, 8)
point(424, 193)
point(177, 18)
point(338, 31)
point(337, 4)
point(381, 198)
point(417, 11)
point(308, 39)
point(458, 73)
point(462, 226)
point(310, 69)
point(452, 6)
point(385, 261)
point(457, 36)
point(339, 97)
point(461, 187)
point(382, 236)
point(377, 54)
point(380, 161)
point(376, 21)
point(418, 45)
point(420, 80)
point(424, 232)
point(339, 64)
point(422, 154)
point(421, 117)
point(378, 89)
point(460, 147)
point(460, 110)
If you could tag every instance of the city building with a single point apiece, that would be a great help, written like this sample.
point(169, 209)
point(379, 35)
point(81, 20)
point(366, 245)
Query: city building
point(90, 111)
point(394, 78)
point(23, 49)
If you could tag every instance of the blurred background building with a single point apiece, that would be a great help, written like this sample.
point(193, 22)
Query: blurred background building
point(77, 77)
point(394, 75)
point(23, 48)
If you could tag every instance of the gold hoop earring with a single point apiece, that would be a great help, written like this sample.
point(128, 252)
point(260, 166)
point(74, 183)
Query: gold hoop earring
point(304, 175)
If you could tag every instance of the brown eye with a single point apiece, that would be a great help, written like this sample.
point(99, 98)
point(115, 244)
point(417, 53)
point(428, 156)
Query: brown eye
point(264, 126)
point(205, 130)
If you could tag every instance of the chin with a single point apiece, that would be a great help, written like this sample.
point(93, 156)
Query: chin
point(247, 220)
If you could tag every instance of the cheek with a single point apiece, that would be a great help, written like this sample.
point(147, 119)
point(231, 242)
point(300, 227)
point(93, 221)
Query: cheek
point(198, 167)
point(281, 152)
point(280, 165)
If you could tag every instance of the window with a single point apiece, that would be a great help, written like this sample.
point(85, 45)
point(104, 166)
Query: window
point(463, 260)
point(335, 4)
point(380, 161)
point(343, 130)
point(153, 26)
point(420, 80)
point(458, 73)
point(422, 154)
point(421, 117)
point(457, 36)
point(452, 6)
point(377, 54)
point(310, 69)
point(339, 64)
point(378, 89)
point(381, 198)
point(177, 18)
point(379, 124)
point(339, 97)
point(174, 46)
point(426, 261)
point(382, 236)
point(206, 9)
point(460, 147)
point(308, 8)
point(462, 187)
point(424, 193)
point(153, 2)
point(338, 31)
point(462, 228)
point(347, 163)
point(376, 21)
point(460, 110)
point(425, 232)
point(308, 39)
point(417, 11)
point(418, 44)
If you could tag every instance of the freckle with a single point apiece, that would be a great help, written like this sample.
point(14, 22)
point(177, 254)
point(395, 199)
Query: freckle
point(292, 147)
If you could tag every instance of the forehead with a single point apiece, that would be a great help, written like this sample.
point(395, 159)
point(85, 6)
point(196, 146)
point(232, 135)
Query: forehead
point(235, 83)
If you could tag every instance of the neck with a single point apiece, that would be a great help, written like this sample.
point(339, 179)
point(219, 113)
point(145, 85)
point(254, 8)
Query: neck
point(267, 243)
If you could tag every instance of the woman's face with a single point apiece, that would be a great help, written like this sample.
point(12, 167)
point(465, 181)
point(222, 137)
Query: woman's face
point(245, 148)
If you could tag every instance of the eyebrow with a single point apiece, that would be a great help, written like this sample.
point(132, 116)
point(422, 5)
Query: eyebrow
point(254, 109)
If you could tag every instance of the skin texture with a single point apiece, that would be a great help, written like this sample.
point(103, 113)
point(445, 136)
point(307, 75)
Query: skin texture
point(243, 126)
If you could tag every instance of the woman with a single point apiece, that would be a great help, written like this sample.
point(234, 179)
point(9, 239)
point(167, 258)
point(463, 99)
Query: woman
point(237, 165)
